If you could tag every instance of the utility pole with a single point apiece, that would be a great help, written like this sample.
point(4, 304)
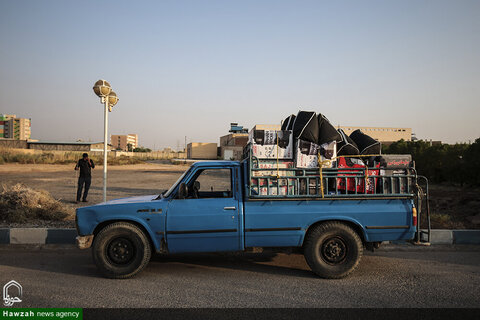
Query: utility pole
point(185, 151)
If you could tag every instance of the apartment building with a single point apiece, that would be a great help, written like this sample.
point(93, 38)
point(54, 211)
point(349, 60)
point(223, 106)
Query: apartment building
point(12, 127)
point(126, 142)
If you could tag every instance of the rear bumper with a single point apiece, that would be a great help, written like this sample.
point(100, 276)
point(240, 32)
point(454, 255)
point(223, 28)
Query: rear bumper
point(84, 242)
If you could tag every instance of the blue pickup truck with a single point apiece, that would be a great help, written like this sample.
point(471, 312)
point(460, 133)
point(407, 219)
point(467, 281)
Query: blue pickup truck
point(224, 206)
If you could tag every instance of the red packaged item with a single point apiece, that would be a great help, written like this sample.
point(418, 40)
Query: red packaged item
point(352, 167)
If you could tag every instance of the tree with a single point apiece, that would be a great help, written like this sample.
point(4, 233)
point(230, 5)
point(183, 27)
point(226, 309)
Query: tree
point(458, 163)
point(142, 149)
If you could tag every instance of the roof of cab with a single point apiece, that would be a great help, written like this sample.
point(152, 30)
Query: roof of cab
point(216, 163)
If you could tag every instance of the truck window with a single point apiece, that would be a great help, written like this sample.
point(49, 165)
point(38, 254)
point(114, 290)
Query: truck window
point(211, 183)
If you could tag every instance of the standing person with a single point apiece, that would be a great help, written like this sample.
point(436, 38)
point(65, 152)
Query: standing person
point(85, 165)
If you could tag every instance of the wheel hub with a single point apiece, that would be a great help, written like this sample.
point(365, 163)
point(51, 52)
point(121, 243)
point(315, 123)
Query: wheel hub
point(333, 250)
point(120, 251)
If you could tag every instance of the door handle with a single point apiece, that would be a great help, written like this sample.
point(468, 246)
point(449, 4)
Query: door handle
point(229, 208)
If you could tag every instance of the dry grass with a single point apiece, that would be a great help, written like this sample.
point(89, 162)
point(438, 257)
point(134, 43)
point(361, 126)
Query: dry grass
point(8, 156)
point(19, 204)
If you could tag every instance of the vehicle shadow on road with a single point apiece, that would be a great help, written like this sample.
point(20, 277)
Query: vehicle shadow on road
point(63, 261)
point(245, 261)
point(79, 263)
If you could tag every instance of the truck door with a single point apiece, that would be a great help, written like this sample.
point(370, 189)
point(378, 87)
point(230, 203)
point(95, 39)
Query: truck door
point(207, 220)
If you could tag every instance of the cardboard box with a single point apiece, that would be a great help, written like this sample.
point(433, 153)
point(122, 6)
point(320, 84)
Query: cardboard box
point(264, 144)
point(397, 161)
point(283, 188)
point(306, 154)
point(272, 164)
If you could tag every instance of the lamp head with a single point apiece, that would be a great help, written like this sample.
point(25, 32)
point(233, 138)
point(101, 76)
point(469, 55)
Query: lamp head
point(112, 99)
point(102, 88)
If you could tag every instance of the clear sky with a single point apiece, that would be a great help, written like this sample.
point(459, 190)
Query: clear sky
point(189, 68)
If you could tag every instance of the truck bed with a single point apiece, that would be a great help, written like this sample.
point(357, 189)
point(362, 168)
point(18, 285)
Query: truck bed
point(270, 223)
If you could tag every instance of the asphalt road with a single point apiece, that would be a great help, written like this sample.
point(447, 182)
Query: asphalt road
point(424, 277)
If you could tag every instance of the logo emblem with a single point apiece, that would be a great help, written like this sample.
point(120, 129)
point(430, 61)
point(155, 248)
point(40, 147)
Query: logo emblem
point(10, 295)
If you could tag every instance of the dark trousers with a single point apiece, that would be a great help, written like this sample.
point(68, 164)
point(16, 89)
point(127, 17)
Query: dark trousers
point(81, 181)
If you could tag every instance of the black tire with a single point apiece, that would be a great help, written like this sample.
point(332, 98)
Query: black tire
point(333, 250)
point(121, 250)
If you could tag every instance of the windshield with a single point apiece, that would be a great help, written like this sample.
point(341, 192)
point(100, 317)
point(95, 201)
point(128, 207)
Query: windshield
point(175, 184)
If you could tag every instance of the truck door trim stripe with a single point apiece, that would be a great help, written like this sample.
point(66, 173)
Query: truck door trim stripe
point(273, 229)
point(201, 231)
point(387, 227)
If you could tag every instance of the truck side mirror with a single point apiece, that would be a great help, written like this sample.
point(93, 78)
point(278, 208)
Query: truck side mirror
point(182, 191)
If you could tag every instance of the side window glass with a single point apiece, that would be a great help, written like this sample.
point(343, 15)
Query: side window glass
point(212, 183)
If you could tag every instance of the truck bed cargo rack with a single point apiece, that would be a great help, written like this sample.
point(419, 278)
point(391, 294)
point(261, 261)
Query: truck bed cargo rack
point(281, 182)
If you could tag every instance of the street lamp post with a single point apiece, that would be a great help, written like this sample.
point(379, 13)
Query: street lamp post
point(108, 98)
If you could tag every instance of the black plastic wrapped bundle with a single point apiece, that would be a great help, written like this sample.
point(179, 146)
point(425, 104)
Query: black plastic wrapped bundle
point(327, 132)
point(269, 137)
point(365, 143)
point(308, 148)
point(288, 122)
point(346, 147)
point(305, 126)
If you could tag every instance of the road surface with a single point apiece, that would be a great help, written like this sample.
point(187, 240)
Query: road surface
point(423, 277)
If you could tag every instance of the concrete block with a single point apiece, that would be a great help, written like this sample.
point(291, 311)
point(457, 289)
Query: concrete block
point(28, 235)
point(466, 236)
point(441, 236)
point(61, 236)
point(4, 236)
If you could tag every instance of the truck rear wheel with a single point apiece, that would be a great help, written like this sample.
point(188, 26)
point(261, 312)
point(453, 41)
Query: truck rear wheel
point(121, 250)
point(333, 250)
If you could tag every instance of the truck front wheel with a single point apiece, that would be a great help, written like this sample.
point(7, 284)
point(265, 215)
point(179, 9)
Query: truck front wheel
point(333, 250)
point(121, 250)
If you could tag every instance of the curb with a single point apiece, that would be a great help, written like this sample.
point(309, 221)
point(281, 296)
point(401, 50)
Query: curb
point(37, 236)
point(445, 236)
point(67, 236)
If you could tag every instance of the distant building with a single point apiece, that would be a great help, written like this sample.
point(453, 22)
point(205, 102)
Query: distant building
point(202, 150)
point(382, 134)
point(121, 142)
point(235, 128)
point(66, 146)
point(12, 127)
point(231, 145)
point(266, 127)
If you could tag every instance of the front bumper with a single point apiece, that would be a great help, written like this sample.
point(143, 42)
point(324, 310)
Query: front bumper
point(84, 242)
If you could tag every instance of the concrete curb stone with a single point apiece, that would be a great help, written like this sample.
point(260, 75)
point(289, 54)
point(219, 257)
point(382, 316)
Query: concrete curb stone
point(466, 236)
point(5, 236)
point(37, 236)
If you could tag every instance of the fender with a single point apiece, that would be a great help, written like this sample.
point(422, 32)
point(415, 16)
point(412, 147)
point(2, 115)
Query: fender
point(335, 218)
point(129, 218)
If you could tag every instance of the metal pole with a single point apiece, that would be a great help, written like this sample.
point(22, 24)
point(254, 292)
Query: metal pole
point(105, 141)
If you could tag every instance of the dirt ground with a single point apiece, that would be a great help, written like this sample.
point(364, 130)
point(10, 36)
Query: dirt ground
point(61, 182)
point(451, 207)
point(454, 207)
